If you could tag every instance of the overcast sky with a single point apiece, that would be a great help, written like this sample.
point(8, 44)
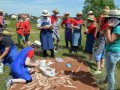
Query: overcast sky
point(35, 7)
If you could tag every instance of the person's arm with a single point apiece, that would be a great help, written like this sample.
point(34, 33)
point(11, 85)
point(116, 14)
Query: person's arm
point(29, 63)
point(39, 27)
point(62, 24)
point(110, 37)
point(4, 53)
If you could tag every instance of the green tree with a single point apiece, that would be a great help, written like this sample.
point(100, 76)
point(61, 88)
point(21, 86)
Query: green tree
point(96, 6)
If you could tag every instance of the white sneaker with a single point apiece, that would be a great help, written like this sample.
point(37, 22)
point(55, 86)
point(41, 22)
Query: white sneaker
point(9, 82)
point(97, 72)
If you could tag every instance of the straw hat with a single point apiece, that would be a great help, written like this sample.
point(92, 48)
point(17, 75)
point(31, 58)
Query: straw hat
point(114, 13)
point(36, 43)
point(90, 12)
point(106, 11)
point(45, 13)
point(78, 13)
point(1, 11)
point(56, 11)
point(90, 18)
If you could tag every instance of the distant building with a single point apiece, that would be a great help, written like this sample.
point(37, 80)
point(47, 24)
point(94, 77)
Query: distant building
point(13, 16)
point(21, 15)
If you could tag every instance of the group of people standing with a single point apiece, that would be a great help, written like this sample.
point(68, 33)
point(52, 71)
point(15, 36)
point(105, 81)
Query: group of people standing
point(49, 31)
point(104, 32)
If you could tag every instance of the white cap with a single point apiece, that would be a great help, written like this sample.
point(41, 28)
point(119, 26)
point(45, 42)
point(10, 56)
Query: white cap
point(36, 43)
point(45, 13)
point(90, 12)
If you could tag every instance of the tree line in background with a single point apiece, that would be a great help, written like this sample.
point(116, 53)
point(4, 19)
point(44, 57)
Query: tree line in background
point(89, 5)
point(97, 6)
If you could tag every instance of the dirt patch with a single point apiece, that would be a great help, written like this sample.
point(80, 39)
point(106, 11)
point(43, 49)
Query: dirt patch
point(77, 77)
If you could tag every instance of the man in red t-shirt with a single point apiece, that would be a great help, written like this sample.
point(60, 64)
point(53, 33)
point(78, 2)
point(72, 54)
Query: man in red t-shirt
point(26, 30)
point(55, 21)
point(20, 31)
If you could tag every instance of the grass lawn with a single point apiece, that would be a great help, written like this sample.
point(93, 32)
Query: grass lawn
point(63, 52)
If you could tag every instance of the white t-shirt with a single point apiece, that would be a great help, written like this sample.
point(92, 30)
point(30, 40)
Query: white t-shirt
point(41, 20)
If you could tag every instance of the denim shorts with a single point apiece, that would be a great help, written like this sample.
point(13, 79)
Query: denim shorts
point(99, 56)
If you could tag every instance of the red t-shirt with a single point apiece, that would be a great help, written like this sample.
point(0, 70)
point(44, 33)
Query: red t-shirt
point(30, 54)
point(95, 19)
point(68, 20)
point(26, 27)
point(77, 22)
point(20, 28)
point(1, 18)
point(103, 23)
point(53, 19)
point(92, 29)
point(104, 26)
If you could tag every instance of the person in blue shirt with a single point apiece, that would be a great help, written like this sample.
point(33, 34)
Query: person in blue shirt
point(19, 67)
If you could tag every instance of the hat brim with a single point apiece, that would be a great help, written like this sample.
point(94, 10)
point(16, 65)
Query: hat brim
point(56, 12)
point(78, 14)
point(115, 16)
point(90, 19)
point(46, 14)
point(34, 44)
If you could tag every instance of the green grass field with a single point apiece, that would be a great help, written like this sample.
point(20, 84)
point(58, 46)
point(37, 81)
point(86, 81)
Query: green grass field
point(63, 52)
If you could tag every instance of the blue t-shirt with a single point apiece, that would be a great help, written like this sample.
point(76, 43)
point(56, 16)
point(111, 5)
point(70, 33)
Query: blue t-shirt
point(115, 46)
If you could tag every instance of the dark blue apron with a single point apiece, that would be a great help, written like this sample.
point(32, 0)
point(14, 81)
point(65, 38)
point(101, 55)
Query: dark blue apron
point(46, 38)
point(89, 43)
point(76, 36)
point(68, 32)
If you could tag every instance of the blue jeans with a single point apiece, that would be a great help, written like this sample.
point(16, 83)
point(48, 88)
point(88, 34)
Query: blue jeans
point(111, 60)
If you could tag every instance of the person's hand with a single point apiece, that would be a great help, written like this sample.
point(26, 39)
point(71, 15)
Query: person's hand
point(36, 64)
point(111, 23)
point(77, 27)
point(51, 27)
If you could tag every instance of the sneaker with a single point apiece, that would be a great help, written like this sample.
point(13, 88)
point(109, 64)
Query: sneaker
point(97, 72)
point(9, 82)
point(73, 52)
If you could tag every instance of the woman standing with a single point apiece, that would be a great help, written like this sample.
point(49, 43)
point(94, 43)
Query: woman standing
point(45, 27)
point(66, 24)
point(113, 46)
point(77, 26)
point(91, 31)
point(101, 42)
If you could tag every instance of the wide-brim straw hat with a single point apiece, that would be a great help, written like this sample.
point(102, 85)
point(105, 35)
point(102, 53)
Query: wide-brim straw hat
point(56, 11)
point(90, 18)
point(114, 13)
point(1, 11)
point(45, 13)
point(78, 14)
point(106, 11)
point(36, 43)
